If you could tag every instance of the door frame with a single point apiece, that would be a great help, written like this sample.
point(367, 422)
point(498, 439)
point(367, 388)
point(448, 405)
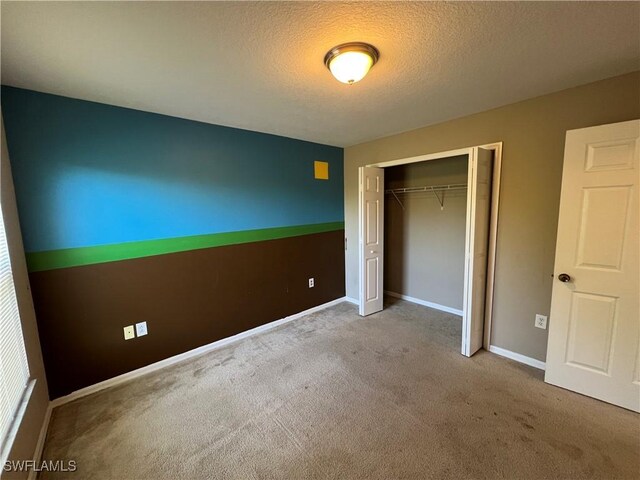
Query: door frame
point(496, 147)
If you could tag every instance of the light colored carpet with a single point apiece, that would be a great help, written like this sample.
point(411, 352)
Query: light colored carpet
point(334, 395)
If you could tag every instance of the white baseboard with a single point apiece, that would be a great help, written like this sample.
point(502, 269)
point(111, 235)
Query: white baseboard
point(355, 301)
point(424, 303)
point(532, 362)
point(83, 392)
point(37, 454)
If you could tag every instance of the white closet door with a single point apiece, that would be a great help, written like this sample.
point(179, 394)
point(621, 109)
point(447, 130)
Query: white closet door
point(371, 198)
point(476, 250)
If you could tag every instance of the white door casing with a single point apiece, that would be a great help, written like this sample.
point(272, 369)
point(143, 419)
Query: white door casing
point(594, 326)
point(371, 239)
point(476, 249)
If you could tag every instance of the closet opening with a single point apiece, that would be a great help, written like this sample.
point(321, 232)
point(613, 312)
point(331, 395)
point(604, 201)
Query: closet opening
point(427, 235)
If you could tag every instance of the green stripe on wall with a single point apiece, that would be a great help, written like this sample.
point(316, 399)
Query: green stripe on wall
point(74, 257)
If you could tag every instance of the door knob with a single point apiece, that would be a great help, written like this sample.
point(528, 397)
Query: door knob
point(372, 251)
point(564, 278)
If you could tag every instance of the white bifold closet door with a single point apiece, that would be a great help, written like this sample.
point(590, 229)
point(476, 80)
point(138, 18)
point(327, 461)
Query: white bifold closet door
point(371, 239)
point(476, 249)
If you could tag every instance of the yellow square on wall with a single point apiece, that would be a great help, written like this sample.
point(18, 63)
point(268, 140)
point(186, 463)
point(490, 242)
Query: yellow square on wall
point(321, 170)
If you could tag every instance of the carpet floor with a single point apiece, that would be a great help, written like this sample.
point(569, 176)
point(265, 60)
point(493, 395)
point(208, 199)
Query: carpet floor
point(334, 395)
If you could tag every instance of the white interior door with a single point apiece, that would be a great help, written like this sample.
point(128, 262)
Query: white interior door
point(594, 331)
point(476, 250)
point(371, 238)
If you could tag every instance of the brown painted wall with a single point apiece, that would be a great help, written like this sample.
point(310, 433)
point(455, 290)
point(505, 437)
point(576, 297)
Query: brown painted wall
point(188, 299)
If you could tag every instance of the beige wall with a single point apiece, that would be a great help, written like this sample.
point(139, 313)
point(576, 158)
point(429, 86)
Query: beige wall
point(533, 133)
point(26, 439)
point(424, 244)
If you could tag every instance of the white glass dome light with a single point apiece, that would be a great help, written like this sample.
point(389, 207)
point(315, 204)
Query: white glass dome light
point(350, 62)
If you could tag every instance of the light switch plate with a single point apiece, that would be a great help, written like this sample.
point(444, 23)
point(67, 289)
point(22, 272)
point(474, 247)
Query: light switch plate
point(541, 321)
point(141, 329)
point(129, 333)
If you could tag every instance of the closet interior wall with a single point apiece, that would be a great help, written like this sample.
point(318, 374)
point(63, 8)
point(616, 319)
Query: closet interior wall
point(424, 242)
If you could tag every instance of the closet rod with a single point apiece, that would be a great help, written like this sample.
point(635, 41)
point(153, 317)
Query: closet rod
point(429, 188)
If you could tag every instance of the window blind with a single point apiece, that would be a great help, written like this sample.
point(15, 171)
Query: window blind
point(14, 369)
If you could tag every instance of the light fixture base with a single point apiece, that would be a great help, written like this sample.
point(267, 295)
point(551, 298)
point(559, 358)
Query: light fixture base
point(352, 47)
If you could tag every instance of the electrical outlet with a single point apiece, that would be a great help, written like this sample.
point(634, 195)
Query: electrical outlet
point(129, 333)
point(312, 283)
point(541, 321)
point(141, 329)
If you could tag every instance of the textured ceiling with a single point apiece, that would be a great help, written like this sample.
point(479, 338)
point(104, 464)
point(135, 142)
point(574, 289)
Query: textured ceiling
point(259, 65)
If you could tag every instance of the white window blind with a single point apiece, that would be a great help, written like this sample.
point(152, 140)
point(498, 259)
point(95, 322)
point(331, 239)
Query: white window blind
point(14, 370)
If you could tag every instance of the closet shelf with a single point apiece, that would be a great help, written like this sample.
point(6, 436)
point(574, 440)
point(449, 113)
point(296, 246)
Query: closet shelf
point(435, 189)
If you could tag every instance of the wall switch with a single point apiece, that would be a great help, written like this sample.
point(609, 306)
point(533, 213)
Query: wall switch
point(129, 333)
point(312, 283)
point(141, 329)
point(541, 321)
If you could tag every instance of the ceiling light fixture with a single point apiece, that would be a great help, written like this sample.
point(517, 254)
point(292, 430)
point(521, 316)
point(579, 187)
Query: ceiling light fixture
point(350, 62)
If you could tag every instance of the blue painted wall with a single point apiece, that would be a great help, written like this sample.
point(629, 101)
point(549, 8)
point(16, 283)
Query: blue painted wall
point(92, 174)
